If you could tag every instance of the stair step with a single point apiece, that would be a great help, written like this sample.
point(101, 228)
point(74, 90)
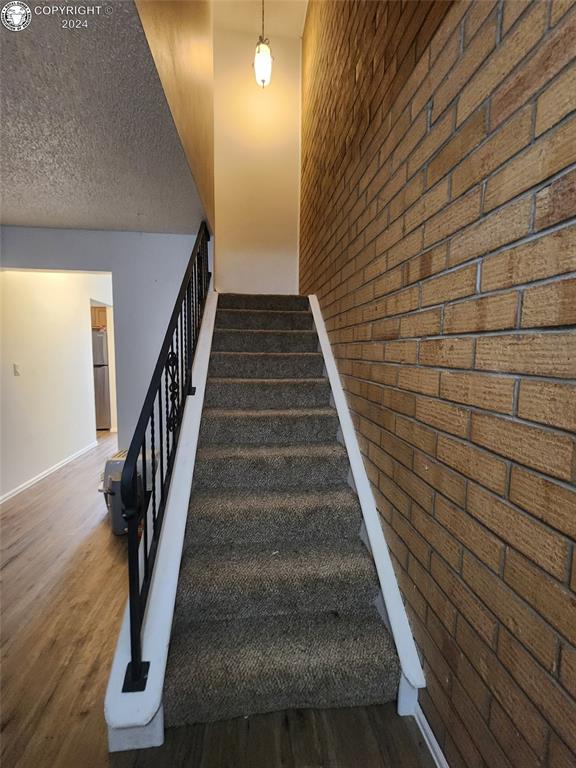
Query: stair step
point(272, 468)
point(261, 319)
point(268, 427)
point(267, 393)
point(224, 669)
point(241, 581)
point(241, 340)
point(243, 517)
point(266, 365)
point(280, 303)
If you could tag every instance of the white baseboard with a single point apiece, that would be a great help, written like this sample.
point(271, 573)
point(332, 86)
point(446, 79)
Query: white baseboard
point(429, 738)
point(47, 472)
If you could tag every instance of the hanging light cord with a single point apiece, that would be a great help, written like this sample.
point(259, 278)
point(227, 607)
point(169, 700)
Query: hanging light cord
point(262, 20)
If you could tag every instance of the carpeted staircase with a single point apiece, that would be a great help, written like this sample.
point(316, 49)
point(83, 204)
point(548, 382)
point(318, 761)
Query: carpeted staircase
point(274, 608)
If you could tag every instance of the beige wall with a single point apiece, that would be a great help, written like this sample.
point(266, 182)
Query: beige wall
point(257, 158)
point(180, 38)
point(47, 413)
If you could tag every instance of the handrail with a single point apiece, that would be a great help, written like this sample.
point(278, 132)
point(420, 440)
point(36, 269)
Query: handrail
point(149, 461)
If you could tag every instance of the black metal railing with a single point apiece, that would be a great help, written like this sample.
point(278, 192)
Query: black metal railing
point(149, 461)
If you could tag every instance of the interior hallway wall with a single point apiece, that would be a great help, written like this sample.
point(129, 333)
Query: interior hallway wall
point(47, 411)
point(147, 270)
point(439, 233)
point(257, 161)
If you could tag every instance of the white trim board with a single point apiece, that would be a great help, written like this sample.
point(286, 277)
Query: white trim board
point(46, 472)
point(431, 742)
point(135, 720)
point(412, 677)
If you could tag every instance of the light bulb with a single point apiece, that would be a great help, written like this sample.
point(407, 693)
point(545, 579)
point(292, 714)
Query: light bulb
point(263, 64)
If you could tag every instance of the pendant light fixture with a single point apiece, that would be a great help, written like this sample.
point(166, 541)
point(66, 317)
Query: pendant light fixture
point(263, 58)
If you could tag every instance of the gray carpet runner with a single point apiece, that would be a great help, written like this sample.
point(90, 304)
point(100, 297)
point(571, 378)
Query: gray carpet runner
point(275, 601)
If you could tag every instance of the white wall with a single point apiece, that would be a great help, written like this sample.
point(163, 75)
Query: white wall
point(256, 161)
point(47, 412)
point(147, 270)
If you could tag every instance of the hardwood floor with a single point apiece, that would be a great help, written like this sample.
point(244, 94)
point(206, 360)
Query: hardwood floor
point(359, 737)
point(63, 594)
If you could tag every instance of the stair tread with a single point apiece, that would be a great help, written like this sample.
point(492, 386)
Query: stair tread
point(204, 501)
point(252, 413)
point(251, 382)
point(259, 579)
point(266, 311)
point(224, 669)
point(266, 354)
point(283, 331)
point(319, 450)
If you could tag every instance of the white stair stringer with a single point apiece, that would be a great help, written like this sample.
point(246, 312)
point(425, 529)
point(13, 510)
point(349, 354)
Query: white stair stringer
point(412, 675)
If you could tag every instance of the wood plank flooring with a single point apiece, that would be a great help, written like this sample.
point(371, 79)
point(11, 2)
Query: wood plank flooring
point(63, 594)
point(359, 737)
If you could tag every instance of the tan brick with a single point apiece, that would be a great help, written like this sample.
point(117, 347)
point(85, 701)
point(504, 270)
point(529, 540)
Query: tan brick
point(469, 136)
point(444, 416)
point(549, 305)
point(431, 202)
point(401, 351)
point(525, 715)
point(493, 231)
point(411, 592)
point(453, 285)
point(396, 448)
point(389, 328)
point(474, 463)
point(548, 59)
point(437, 537)
point(478, 50)
point(553, 254)
point(551, 599)
point(408, 195)
point(548, 403)
point(551, 354)
point(522, 532)
point(491, 313)
point(516, 747)
point(559, 9)
point(447, 353)
point(475, 17)
point(512, 10)
point(474, 536)
point(425, 323)
point(518, 42)
point(557, 201)
point(403, 301)
point(439, 477)
point(464, 600)
point(414, 487)
point(416, 545)
point(416, 434)
point(407, 247)
point(434, 597)
point(493, 393)
point(554, 703)
point(426, 264)
point(549, 452)
point(453, 217)
point(419, 380)
point(434, 139)
point(512, 612)
point(556, 101)
point(550, 154)
point(551, 502)
point(568, 669)
point(511, 138)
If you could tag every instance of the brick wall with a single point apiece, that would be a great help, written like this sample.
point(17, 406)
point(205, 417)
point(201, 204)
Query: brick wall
point(438, 231)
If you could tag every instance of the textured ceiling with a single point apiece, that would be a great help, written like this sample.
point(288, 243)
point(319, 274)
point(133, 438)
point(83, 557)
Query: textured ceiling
point(87, 138)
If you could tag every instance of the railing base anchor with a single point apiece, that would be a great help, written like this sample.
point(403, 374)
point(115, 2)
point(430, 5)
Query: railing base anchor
point(134, 686)
point(192, 391)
